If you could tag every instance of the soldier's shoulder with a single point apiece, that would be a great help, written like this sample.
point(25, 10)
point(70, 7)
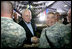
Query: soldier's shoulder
point(13, 29)
point(15, 26)
point(62, 29)
point(60, 26)
point(69, 25)
point(66, 27)
point(45, 28)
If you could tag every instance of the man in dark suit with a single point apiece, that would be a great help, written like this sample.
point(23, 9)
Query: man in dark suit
point(29, 27)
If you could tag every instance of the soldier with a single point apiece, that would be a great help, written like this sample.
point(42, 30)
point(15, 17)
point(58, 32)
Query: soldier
point(69, 17)
point(69, 25)
point(58, 17)
point(12, 34)
point(54, 36)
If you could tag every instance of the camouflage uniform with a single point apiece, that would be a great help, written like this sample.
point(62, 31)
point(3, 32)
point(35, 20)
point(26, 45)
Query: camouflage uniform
point(12, 34)
point(58, 35)
point(69, 25)
point(69, 35)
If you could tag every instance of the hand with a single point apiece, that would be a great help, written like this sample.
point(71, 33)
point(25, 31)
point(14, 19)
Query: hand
point(34, 39)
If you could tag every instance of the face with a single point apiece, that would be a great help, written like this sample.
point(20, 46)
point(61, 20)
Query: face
point(69, 15)
point(50, 20)
point(26, 16)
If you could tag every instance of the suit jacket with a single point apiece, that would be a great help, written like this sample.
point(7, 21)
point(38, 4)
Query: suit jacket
point(28, 32)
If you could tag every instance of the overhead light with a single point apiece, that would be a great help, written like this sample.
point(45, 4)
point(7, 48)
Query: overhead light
point(42, 17)
point(31, 6)
point(27, 6)
point(65, 5)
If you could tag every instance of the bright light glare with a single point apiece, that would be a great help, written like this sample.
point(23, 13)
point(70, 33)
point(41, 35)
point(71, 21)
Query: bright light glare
point(42, 17)
point(65, 5)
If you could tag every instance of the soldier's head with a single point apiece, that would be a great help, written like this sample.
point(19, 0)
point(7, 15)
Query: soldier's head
point(69, 15)
point(6, 9)
point(51, 19)
point(57, 14)
point(26, 15)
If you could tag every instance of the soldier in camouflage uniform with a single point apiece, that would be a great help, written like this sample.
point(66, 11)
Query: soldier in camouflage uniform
point(12, 34)
point(56, 35)
point(69, 25)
